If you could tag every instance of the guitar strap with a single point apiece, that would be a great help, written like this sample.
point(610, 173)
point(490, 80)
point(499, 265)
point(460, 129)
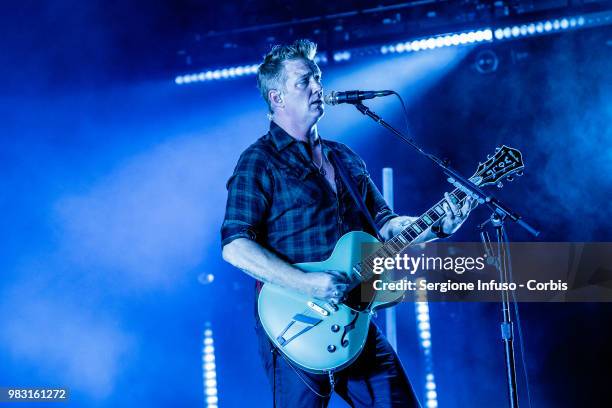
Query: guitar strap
point(352, 188)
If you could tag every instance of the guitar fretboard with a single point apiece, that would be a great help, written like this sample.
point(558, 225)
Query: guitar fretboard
point(402, 240)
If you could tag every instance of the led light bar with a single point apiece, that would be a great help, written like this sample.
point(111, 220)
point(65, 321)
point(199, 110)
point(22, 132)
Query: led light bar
point(424, 335)
point(538, 27)
point(209, 370)
point(482, 35)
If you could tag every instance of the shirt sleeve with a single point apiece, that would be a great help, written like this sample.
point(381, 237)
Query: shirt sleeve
point(248, 198)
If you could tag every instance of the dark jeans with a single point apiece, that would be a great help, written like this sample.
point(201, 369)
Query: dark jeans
point(375, 379)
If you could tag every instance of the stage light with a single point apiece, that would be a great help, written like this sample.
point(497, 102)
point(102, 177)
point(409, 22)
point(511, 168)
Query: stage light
point(342, 56)
point(415, 45)
point(431, 404)
point(424, 332)
point(564, 23)
point(208, 365)
point(486, 62)
point(531, 28)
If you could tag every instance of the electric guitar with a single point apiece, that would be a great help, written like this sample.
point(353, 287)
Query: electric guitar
point(319, 336)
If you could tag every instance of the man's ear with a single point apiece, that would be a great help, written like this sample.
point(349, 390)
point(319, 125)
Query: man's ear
point(276, 98)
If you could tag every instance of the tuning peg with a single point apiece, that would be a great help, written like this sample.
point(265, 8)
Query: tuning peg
point(500, 184)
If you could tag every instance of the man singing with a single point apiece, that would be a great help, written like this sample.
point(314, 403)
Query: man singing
point(287, 204)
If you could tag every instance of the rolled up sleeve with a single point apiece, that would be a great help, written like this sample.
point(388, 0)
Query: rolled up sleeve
point(248, 198)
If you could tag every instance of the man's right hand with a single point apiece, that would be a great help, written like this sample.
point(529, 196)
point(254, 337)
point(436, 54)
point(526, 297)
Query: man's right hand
point(330, 286)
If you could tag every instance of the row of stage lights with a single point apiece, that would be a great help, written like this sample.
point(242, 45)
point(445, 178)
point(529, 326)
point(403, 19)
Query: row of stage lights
point(440, 41)
point(226, 73)
point(424, 333)
point(209, 370)
point(430, 43)
point(539, 27)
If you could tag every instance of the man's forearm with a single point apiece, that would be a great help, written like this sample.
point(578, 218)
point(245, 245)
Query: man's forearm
point(263, 264)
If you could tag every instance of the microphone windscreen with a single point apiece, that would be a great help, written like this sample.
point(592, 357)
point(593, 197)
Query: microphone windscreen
point(330, 98)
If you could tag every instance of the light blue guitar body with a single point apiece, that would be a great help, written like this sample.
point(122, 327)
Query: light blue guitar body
point(310, 332)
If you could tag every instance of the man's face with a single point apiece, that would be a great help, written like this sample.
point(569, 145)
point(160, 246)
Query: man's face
point(303, 93)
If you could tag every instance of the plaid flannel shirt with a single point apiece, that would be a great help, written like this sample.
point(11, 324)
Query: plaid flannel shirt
point(278, 198)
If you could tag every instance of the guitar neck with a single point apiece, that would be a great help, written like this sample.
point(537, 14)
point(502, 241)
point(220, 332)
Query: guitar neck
point(405, 238)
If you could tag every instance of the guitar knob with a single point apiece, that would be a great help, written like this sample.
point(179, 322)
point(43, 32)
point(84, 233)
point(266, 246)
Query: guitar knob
point(500, 184)
point(335, 328)
point(331, 348)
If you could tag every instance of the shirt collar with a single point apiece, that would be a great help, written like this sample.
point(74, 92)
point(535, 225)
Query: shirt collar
point(280, 138)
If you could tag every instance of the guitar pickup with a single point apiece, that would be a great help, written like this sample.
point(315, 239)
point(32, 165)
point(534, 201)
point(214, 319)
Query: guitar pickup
point(318, 309)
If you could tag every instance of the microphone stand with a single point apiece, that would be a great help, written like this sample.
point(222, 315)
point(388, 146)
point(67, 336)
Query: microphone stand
point(500, 212)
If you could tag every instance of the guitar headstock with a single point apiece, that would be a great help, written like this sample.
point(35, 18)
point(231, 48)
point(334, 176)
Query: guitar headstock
point(505, 163)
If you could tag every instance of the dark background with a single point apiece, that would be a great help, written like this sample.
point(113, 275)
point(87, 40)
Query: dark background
point(113, 187)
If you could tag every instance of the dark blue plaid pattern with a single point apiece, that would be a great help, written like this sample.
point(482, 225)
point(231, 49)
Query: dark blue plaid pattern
point(277, 197)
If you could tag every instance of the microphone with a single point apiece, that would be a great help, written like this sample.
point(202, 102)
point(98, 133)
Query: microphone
point(337, 97)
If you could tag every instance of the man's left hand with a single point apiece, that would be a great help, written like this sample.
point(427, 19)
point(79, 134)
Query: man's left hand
point(455, 216)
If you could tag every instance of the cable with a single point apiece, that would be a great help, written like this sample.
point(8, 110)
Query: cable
point(518, 322)
point(404, 109)
point(304, 379)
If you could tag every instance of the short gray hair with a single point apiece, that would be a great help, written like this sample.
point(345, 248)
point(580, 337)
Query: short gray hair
point(271, 73)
